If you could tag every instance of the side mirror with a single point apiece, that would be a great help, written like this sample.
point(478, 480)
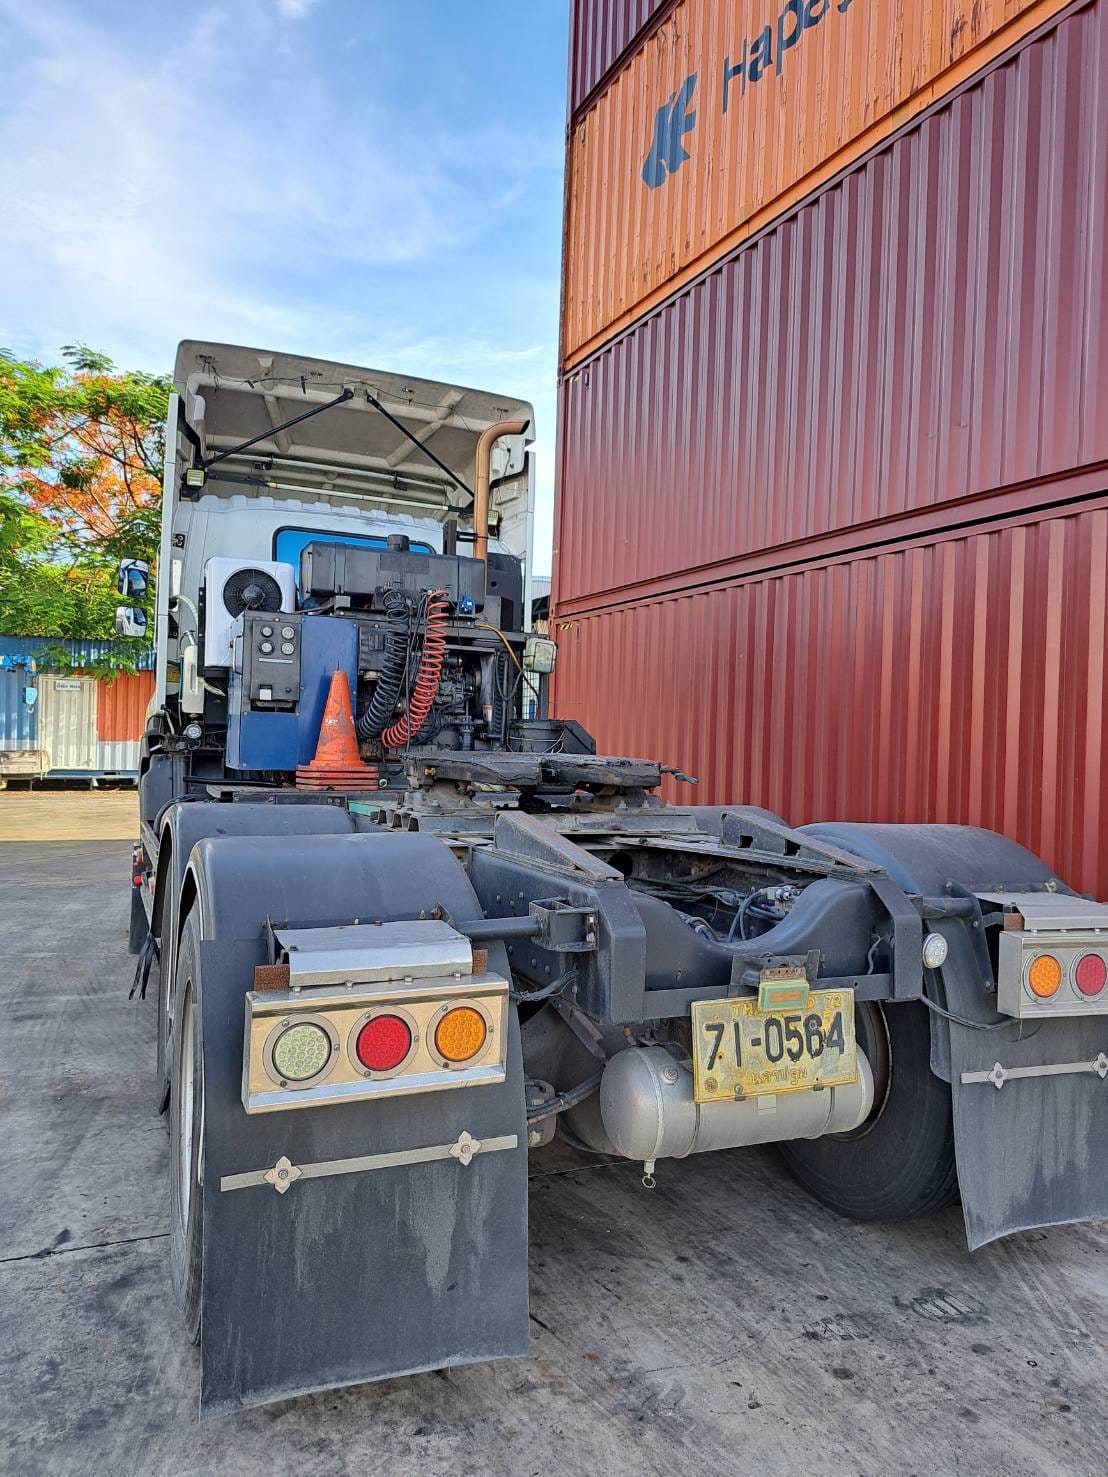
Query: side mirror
point(132, 578)
point(130, 621)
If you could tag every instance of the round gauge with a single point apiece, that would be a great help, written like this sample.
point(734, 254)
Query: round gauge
point(267, 630)
point(288, 648)
point(267, 647)
point(287, 632)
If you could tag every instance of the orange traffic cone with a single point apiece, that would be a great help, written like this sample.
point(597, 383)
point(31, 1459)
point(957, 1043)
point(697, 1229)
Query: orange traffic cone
point(337, 764)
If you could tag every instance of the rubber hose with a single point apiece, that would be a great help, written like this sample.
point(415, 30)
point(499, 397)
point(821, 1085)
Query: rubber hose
point(427, 679)
point(498, 725)
point(394, 669)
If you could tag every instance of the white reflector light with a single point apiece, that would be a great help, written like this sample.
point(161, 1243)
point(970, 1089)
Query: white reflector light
point(301, 1052)
point(935, 950)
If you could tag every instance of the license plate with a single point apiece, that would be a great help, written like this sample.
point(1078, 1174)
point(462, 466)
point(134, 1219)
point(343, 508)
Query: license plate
point(741, 1050)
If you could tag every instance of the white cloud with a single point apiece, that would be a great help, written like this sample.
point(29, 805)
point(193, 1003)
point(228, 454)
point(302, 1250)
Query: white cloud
point(134, 193)
point(217, 189)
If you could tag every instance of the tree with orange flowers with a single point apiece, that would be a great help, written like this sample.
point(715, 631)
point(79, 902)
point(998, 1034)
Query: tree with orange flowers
point(81, 452)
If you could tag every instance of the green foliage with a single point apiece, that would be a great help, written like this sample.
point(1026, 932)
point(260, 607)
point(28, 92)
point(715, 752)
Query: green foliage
point(81, 452)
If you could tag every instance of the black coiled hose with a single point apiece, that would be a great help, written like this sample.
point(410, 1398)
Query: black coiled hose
point(498, 725)
point(394, 669)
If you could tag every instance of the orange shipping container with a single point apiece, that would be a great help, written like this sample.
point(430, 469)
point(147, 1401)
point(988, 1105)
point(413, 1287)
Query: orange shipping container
point(121, 708)
point(732, 111)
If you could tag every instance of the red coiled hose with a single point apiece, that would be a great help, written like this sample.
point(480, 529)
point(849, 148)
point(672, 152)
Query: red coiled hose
point(427, 678)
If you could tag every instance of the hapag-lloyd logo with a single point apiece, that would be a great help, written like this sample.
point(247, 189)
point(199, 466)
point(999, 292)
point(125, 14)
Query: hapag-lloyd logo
point(675, 119)
point(671, 122)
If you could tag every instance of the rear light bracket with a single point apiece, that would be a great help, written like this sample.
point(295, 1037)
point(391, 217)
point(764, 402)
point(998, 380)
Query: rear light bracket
point(1016, 951)
point(339, 978)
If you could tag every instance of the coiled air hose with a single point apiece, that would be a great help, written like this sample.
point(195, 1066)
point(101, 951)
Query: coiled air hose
point(427, 678)
point(394, 669)
point(498, 726)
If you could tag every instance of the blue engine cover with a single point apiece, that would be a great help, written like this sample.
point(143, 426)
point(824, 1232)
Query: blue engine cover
point(267, 739)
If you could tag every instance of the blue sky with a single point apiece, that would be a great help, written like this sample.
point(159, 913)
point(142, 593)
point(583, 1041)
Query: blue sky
point(367, 180)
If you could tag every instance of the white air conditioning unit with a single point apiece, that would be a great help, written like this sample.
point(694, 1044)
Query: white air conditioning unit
point(232, 586)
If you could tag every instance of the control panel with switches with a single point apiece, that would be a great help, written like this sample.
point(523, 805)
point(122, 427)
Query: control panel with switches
point(271, 646)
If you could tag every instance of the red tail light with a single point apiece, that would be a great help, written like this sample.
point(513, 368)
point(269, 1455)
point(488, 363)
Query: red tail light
point(1091, 974)
point(383, 1043)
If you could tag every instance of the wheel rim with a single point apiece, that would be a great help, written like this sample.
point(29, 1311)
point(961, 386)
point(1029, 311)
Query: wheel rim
point(873, 1039)
point(186, 1111)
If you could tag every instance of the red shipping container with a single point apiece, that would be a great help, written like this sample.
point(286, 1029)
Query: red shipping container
point(717, 122)
point(959, 677)
point(832, 522)
point(927, 330)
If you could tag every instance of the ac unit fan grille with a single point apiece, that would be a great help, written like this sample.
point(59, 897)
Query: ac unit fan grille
point(251, 589)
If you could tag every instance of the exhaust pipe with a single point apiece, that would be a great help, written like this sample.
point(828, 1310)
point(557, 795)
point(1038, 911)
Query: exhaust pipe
point(485, 443)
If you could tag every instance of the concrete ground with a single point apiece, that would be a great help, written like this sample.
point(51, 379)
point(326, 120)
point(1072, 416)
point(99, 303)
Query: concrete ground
point(69, 813)
point(722, 1323)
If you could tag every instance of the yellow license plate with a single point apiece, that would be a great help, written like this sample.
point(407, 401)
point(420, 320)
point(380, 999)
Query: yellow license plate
point(740, 1050)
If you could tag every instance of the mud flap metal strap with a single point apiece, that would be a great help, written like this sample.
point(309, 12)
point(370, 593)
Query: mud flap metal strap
point(998, 1074)
point(284, 1174)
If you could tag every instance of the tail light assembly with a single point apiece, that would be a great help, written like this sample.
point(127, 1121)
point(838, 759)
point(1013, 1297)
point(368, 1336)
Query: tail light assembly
point(370, 1011)
point(1052, 955)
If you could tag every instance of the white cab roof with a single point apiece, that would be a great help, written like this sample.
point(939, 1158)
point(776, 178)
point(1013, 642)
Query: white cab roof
point(231, 393)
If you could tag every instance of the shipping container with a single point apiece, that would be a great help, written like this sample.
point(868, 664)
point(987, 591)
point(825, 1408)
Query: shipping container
point(601, 32)
point(832, 519)
point(67, 723)
point(63, 653)
point(916, 339)
point(85, 727)
point(121, 722)
point(18, 719)
point(958, 677)
point(729, 113)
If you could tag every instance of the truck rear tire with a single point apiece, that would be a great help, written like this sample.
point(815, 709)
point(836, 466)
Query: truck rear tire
point(900, 1163)
point(186, 1097)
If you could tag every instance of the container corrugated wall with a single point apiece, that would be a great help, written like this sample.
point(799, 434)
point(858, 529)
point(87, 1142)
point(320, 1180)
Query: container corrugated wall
point(729, 113)
point(957, 678)
point(926, 331)
point(121, 710)
point(67, 723)
point(832, 521)
point(600, 32)
point(121, 722)
point(18, 722)
point(59, 653)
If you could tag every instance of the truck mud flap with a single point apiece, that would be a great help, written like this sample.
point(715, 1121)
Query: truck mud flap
point(349, 1242)
point(1032, 1150)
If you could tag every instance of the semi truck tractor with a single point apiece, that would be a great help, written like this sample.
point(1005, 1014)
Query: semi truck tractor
point(408, 930)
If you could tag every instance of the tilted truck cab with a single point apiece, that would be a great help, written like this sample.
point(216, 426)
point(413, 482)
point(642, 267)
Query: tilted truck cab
point(410, 927)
